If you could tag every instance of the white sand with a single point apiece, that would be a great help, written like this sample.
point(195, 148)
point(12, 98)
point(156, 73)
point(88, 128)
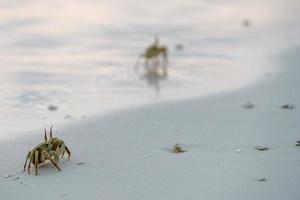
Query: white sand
point(126, 154)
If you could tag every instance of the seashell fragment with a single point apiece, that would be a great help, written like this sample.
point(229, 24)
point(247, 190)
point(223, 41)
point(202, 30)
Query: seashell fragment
point(177, 149)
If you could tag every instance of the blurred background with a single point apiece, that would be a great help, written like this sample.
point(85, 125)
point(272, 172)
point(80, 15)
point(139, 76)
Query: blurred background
point(66, 61)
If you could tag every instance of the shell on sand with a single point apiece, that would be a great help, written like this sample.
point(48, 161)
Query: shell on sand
point(177, 149)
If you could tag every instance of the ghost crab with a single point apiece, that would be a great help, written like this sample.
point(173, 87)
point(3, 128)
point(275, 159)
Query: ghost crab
point(154, 52)
point(153, 55)
point(48, 150)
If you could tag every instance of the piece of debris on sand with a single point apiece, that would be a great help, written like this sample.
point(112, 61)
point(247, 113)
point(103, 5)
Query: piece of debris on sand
point(179, 47)
point(177, 149)
point(80, 163)
point(288, 106)
point(262, 179)
point(261, 147)
point(52, 107)
point(67, 116)
point(246, 22)
point(298, 143)
point(248, 105)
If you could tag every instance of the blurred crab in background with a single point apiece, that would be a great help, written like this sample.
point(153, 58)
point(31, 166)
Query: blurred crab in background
point(155, 67)
point(153, 56)
point(48, 150)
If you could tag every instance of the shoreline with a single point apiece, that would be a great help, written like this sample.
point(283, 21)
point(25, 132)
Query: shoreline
point(128, 158)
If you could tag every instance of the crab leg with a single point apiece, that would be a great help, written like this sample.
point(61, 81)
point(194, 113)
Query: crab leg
point(27, 157)
point(36, 160)
point(30, 161)
point(47, 156)
point(68, 151)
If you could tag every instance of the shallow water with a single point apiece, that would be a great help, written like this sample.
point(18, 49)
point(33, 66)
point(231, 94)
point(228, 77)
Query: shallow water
point(80, 56)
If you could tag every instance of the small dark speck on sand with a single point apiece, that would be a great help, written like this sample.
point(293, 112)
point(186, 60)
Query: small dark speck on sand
point(64, 195)
point(262, 179)
point(246, 22)
point(261, 147)
point(16, 178)
point(248, 105)
point(80, 163)
point(68, 116)
point(52, 107)
point(288, 106)
point(179, 47)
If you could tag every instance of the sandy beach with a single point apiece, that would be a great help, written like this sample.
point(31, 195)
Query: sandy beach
point(125, 155)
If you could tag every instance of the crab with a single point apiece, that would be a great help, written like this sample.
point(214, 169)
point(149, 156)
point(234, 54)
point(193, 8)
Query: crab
point(57, 145)
point(153, 55)
point(40, 154)
point(48, 150)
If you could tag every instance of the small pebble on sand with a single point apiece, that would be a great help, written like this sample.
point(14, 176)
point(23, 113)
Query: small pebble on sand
point(246, 22)
point(262, 179)
point(68, 116)
point(288, 106)
point(80, 163)
point(52, 107)
point(179, 47)
point(248, 105)
point(261, 147)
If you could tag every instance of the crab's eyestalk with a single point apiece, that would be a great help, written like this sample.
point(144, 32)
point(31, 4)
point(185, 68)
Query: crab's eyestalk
point(45, 135)
point(51, 136)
